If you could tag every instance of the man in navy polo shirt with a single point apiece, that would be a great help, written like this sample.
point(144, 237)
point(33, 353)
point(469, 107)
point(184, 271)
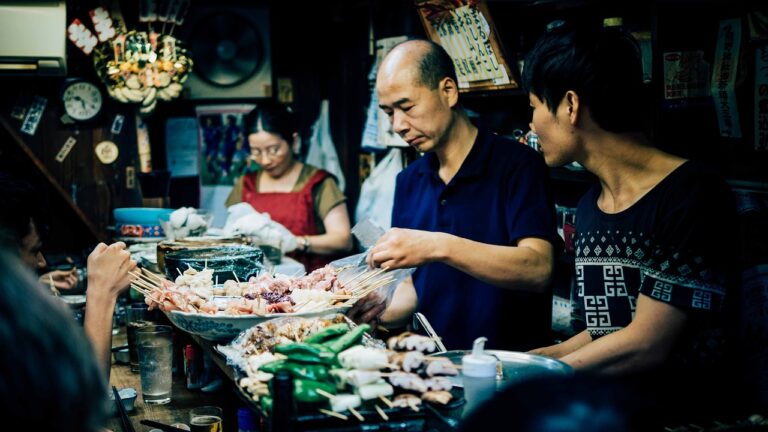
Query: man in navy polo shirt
point(473, 214)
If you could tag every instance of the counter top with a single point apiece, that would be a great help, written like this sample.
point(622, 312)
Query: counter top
point(182, 399)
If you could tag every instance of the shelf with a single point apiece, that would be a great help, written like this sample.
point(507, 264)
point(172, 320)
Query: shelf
point(19, 141)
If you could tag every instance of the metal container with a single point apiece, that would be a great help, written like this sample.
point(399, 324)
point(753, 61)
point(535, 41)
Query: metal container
point(225, 261)
point(513, 367)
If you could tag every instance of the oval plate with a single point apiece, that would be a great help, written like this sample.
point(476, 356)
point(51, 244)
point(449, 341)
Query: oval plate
point(223, 328)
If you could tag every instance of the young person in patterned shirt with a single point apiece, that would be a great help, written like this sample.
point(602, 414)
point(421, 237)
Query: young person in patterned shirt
point(655, 251)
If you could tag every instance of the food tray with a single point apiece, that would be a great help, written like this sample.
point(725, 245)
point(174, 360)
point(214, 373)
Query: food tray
point(308, 417)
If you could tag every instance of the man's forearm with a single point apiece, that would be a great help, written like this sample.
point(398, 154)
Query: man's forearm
point(527, 266)
point(403, 305)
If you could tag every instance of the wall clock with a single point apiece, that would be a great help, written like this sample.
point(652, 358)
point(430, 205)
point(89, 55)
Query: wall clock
point(82, 100)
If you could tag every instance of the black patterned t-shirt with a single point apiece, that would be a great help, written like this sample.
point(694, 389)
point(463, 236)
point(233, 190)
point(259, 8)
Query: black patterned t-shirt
point(675, 245)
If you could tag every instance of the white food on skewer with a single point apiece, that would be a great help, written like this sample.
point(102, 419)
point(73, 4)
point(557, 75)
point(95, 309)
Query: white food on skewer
point(407, 400)
point(343, 402)
point(373, 391)
point(360, 357)
point(438, 383)
point(408, 381)
point(412, 342)
point(409, 361)
point(441, 366)
point(359, 378)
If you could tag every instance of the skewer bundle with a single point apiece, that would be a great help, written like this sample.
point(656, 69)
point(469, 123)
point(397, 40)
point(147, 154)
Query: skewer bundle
point(340, 292)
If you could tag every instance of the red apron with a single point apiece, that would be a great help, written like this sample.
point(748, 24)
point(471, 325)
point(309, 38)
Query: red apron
point(294, 210)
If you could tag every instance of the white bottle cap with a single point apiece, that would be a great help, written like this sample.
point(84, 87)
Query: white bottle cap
point(478, 364)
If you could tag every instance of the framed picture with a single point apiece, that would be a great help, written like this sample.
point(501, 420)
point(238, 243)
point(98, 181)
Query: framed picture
point(465, 29)
point(223, 148)
point(223, 154)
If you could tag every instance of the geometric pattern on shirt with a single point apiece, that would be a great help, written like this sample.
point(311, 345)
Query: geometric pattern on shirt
point(612, 265)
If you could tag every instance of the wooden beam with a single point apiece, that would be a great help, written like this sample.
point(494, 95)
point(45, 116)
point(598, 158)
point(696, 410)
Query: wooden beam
point(21, 144)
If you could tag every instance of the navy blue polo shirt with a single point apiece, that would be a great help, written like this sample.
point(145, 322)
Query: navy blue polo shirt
point(498, 196)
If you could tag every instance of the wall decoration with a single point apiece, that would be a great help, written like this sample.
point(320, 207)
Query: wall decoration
point(137, 66)
point(465, 29)
point(224, 152)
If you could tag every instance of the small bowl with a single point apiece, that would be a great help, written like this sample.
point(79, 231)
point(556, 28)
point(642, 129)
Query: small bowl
point(122, 356)
point(127, 395)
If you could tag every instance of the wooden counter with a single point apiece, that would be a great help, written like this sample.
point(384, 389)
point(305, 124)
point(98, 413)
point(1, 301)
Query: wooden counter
point(182, 399)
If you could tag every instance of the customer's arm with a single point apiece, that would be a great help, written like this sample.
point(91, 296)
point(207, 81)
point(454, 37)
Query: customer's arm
point(646, 342)
point(564, 348)
point(526, 266)
point(108, 276)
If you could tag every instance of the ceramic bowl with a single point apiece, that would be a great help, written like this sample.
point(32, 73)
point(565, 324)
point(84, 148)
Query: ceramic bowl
point(224, 328)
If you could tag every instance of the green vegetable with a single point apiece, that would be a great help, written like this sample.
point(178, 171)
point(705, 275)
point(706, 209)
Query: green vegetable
point(266, 403)
point(352, 337)
point(331, 331)
point(306, 390)
point(315, 372)
point(307, 353)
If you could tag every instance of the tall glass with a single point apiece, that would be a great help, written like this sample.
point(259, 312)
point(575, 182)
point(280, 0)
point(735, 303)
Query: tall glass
point(137, 316)
point(155, 345)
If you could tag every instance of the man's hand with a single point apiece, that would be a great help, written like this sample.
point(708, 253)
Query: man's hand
point(368, 309)
point(404, 248)
point(109, 267)
point(63, 280)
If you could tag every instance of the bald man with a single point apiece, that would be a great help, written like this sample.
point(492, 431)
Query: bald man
point(473, 214)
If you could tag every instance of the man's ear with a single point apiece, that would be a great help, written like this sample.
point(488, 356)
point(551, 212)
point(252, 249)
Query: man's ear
point(573, 106)
point(450, 90)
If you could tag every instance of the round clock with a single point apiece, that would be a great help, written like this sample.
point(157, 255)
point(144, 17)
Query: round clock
point(82, 100)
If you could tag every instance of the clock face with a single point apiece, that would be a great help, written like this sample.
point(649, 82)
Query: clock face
point(82, 100)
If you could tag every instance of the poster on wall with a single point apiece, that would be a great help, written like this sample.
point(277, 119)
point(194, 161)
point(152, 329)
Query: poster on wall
point(223, 152)
point(466, 30)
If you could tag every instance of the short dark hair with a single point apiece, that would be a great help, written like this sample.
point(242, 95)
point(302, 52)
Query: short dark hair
point(18, 208)
point(602, 65)
point(273, 118)
point(435, 65)
point(50, 378)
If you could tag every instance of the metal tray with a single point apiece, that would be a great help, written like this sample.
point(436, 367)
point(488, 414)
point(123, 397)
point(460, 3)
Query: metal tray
point(307, 416)
point(515, 366)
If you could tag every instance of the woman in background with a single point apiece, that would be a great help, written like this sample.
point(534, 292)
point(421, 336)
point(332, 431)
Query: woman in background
point(303, 198)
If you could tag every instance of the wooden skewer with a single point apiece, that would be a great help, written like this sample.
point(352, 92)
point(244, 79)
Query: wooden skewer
point(236, 279)
point(140, 276)
point(153, 275)
point(53, 286)
point(413, 406)
point(386, 401)
point(381, 413)
point(180, 273)
point(356, 414)
point(322, 392)
point(333, 414)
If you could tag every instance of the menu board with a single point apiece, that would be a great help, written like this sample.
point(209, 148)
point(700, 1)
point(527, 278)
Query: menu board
point(466, 31)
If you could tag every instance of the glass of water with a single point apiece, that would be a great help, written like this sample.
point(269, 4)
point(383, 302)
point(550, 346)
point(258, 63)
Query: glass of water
point(155, 346)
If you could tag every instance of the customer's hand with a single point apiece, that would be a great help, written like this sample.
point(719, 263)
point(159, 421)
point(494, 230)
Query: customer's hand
point(108, 269)
point(63, 280)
